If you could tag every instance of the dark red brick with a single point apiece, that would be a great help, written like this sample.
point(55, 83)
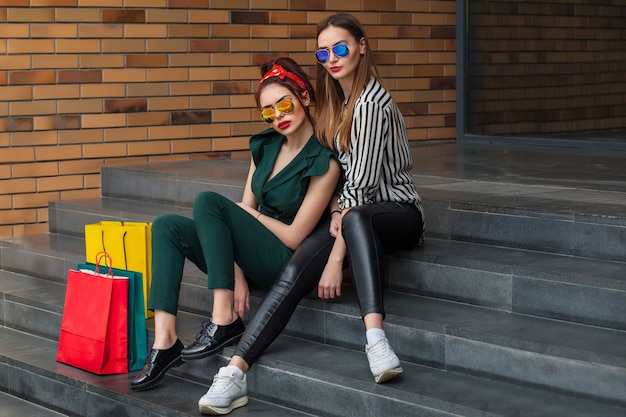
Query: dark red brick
point(250, 18)
point(80, 76)
point(190, 117)
point(123, 16)
point(129, 105)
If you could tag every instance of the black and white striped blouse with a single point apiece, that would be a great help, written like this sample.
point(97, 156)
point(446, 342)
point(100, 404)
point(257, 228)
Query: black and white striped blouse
point(378, 165)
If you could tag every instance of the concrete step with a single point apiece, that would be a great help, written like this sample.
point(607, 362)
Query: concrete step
point(45, 255)
point(557, 219)
point(11, 406)
point(554, 218)
point(565, 287)
point(175, 183)
point(575, 359)
point(568, 221)
point(420, 391)
point(70, 217)
point(307, 378)
point(569, 288)
point(29, 363)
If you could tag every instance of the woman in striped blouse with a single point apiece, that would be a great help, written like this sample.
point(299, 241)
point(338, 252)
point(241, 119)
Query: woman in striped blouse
point(378, 210)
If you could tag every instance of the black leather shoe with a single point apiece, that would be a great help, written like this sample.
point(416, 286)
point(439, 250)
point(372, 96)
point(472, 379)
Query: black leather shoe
point(157, 363)
point(212, 339)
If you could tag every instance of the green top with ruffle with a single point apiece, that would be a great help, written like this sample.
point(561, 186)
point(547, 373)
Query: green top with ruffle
point(281, 196)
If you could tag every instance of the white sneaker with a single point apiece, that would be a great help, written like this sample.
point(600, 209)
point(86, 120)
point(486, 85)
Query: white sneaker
point(226, 393)
point(384, 363)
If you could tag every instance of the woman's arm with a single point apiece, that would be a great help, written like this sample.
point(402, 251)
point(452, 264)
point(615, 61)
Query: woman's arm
point(315, 202)
point(242, 291)
point(248, 198)
point(329, 285)
point(335, 215)
point(366, 154)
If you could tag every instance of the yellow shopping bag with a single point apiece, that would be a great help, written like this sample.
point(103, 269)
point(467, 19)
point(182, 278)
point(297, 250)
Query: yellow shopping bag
point(130, 243)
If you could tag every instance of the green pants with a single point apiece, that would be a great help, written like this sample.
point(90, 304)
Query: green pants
point(220, 234)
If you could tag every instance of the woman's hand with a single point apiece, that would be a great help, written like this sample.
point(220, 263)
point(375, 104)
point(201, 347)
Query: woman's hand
point(329, 285)
point(241, 293)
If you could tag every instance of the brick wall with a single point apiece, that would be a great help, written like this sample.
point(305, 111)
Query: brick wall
point(540, 68)
point(87, 83)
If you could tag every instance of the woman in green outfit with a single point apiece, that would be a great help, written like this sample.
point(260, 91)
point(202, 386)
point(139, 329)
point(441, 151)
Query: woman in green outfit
point(291, 180)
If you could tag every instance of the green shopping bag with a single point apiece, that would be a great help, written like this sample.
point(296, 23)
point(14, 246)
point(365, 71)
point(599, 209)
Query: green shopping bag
point(137, 333)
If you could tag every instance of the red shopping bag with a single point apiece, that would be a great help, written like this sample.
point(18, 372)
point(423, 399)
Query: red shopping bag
point(94, 326)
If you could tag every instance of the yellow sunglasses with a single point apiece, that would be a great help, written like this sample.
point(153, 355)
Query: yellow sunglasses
point(284, 106)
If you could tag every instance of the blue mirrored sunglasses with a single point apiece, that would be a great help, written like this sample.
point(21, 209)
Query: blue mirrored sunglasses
point(340, 50)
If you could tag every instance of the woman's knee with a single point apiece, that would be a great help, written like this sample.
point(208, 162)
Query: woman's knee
point(165, 224)
point(206, 198)
point(357, 218)
point(207, 201)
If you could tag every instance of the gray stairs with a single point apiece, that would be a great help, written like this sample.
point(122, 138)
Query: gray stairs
point(515, 306)
point(14, 406)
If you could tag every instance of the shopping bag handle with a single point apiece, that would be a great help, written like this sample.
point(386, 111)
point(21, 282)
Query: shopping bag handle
point(104, 249)
point(108, 261)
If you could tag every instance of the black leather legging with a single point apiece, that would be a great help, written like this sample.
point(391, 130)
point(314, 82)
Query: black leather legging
point(297, 279)
point(370, 231)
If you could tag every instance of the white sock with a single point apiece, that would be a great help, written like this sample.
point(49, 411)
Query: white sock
point(374, 335)
point(238, 373)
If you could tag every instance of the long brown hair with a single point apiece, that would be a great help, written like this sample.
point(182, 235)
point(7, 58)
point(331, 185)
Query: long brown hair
point(330, 105)
point(290, 66)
